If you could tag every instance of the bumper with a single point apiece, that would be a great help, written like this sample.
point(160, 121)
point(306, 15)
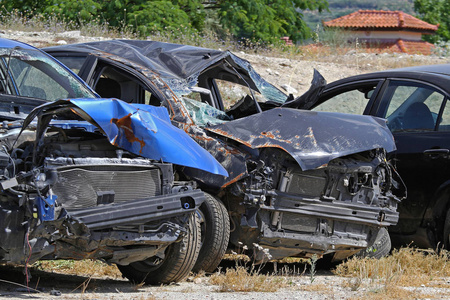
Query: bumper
point(345, 211)
point(139, 212)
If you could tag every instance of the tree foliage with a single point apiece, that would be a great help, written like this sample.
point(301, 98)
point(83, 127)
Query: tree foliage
point(256, 20)
point(267, 20)
point(434, 12)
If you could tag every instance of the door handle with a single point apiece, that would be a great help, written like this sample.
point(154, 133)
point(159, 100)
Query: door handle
point(435, 153)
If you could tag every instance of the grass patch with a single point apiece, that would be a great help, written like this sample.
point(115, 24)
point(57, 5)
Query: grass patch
point(240, 279)
point(88, 268)
point(387, 277)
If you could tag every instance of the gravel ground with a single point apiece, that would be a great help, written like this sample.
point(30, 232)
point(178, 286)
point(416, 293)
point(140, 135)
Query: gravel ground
point(325, 286)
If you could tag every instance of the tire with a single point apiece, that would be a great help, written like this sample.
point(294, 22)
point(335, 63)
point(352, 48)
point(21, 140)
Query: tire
point(215, 224)
point(178, 262)
point(378, 246)
point(447, 231)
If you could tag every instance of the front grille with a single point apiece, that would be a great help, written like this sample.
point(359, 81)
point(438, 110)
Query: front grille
point(300, 223)
point(81, 186)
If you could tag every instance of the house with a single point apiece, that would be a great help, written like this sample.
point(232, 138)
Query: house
point(386, 31)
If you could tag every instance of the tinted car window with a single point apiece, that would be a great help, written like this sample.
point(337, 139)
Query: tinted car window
point(350, 99)
point(411, 106)
point(444, 124)
point(74, 63)
point(352, 102)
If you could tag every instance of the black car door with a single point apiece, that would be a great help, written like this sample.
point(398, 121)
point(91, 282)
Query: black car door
point(418, 115)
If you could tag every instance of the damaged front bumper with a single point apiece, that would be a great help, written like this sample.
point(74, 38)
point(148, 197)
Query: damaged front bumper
point(139, 211)
point(335, 209)
point(118, 233)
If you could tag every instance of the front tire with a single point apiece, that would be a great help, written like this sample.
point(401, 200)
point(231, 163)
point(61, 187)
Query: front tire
point(215, 225)
point(178, 262)
point(378, 246)
point(447, 231)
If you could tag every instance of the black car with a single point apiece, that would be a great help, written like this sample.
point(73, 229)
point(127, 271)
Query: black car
point(300, 183)
point(91, 178)
point(415, 102)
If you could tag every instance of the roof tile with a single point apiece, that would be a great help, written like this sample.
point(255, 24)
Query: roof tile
point(365, 19)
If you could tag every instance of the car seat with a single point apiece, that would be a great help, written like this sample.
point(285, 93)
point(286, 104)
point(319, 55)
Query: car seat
point(418, 116)
point(108, 88)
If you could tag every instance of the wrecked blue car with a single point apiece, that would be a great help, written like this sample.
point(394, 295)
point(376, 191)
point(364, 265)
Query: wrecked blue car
point(91, 178)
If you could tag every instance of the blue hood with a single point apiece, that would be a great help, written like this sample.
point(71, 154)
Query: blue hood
point(141, 129)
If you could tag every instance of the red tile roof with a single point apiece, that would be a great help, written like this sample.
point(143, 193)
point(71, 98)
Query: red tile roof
point(394, 46)
point(365, 19)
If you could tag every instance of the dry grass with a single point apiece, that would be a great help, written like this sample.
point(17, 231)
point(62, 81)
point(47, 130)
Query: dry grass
point(406, 266)
point(242, 280)
point(81, 268)
point(387, 277)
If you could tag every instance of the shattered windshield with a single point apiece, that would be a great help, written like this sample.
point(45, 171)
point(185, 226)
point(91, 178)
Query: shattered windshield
point(227, 91)
point(269, 91)
point(30, 73)
point(204, 114)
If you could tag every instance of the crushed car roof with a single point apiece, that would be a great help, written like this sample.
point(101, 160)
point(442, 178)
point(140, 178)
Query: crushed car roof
point(178, 65)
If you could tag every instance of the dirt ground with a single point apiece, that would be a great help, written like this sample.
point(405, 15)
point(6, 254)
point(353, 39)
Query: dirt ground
point(52, 285)
point(295, 73)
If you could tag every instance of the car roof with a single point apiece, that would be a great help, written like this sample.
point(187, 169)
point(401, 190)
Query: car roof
point(5, 43)
point(179, 66)
point(443, 69)
point(166, 59)
point(438, 75)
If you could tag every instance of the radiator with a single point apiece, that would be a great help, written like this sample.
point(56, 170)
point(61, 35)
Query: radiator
point(88, 186)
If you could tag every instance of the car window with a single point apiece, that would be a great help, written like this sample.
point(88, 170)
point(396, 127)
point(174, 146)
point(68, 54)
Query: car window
point(411, 106)
point(30, 73)
point(444, 124)
point(351, 100)
point(116, 83)
point(74, 62)
point(231, 93)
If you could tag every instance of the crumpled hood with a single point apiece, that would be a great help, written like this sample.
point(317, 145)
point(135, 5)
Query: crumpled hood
point(141, 129)
point(311, 138)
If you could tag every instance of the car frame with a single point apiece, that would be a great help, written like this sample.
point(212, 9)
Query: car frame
point(281, 161)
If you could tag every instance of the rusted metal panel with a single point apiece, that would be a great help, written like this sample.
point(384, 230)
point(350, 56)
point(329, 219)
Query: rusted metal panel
point(311, 138)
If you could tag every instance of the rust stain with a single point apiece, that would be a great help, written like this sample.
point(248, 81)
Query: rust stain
point(226, 134)
point(235, 179)
point(268, 134)
point(124, 123)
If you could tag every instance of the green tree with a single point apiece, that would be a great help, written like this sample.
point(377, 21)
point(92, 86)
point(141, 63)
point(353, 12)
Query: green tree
point(256, 20)
point(146, 16)
point(267, 20)
point(73, 10)
point(434, 12)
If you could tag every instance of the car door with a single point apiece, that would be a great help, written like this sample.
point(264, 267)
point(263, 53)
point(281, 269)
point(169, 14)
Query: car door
point(418, 115)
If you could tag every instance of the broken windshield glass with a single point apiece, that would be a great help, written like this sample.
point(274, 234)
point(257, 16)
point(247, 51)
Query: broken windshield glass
point(204, 114)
